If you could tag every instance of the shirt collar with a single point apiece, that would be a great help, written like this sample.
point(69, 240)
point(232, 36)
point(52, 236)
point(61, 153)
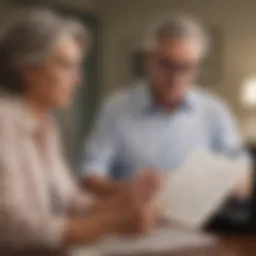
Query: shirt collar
point(26, 120)
point(21, 116)
point(188, 104)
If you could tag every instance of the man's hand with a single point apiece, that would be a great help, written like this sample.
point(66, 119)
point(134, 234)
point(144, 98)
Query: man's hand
point(145, 183)
point(244, 187)
point(102, 187)
point(133, 206)
point(141, 189)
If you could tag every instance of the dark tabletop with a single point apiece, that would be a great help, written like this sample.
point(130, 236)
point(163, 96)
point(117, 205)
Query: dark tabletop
point(226, 246)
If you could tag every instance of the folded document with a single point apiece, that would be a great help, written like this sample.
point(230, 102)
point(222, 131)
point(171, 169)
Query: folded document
point(193, 193)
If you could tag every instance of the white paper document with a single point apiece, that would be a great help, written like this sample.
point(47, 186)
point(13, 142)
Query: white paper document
point(193, 193)
point(162, 240)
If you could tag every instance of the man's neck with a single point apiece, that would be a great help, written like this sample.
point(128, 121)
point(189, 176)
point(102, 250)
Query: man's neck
point(160, 102)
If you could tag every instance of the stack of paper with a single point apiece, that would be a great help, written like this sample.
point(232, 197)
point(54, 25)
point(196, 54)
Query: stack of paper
point(195, 192)
point(163, 240)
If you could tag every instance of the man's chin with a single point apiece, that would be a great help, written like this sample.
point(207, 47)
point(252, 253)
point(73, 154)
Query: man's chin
point(174, 100)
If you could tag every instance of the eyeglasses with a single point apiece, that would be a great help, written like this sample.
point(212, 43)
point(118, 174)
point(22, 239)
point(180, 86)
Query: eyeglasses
point(175, 67)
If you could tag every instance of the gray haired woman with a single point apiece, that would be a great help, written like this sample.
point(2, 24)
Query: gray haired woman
point(41, 208)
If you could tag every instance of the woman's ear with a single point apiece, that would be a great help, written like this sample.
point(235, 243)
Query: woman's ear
point(29, 74)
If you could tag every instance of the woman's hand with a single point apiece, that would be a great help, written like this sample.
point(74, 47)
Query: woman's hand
point(138, 220)
point(130, 212)
point(134, 208)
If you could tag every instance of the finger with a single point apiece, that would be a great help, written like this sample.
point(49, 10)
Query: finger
point(149, 218)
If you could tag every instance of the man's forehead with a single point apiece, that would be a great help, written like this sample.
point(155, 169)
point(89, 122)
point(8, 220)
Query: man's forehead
point(179, 48)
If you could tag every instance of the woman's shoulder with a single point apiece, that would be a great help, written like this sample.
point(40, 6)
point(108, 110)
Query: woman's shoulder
point(9, 110)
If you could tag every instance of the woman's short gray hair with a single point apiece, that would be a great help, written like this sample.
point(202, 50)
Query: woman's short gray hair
point(29, 40)
point(177, 26)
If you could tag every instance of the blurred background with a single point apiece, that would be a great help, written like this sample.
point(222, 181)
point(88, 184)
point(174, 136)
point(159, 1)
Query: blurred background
point(116, 58)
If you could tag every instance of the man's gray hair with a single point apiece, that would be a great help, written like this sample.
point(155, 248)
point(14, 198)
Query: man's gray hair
point(30, 39)
point(177, 26)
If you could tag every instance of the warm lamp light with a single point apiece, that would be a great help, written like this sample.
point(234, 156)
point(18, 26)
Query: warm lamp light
point(248, 96)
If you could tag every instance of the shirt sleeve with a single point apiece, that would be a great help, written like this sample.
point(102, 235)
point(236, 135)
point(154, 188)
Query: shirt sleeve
point(77, 201)
point(225, 135)
point(100, 149)
point(20, 227)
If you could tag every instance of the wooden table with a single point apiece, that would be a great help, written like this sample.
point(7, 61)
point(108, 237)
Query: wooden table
point(242, 246)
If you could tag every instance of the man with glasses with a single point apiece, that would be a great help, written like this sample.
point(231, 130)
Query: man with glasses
point(158, 123)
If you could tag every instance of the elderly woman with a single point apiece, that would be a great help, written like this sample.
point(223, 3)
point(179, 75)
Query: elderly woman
point(40, 205)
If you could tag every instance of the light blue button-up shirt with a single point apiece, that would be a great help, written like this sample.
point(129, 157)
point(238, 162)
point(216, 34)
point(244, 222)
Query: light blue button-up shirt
point(132, 133)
